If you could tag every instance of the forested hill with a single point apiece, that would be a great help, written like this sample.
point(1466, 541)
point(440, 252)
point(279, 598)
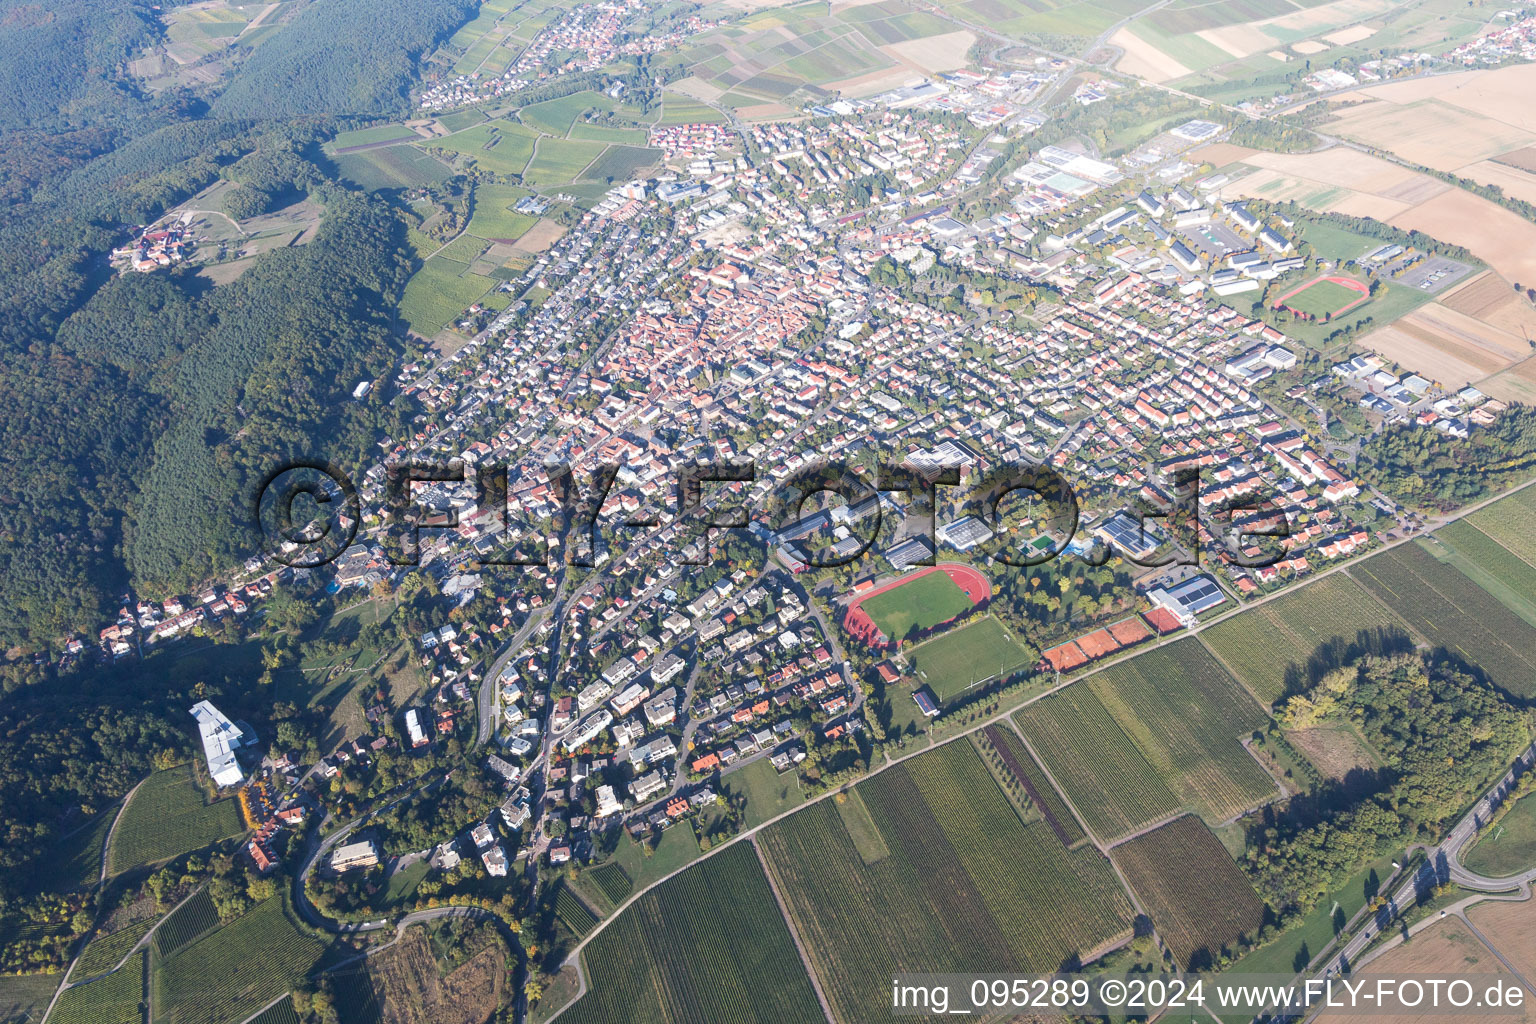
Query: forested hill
point(343, 57)
point(137, 409)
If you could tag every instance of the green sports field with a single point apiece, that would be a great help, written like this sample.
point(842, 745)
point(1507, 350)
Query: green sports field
point(1321, 299)
point(952, 663)
point(923, 602)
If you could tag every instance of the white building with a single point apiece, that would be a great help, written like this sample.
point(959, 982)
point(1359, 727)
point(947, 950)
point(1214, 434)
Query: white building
point(220, 738)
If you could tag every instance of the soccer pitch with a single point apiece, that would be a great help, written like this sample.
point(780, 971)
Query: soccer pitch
point(952, 663)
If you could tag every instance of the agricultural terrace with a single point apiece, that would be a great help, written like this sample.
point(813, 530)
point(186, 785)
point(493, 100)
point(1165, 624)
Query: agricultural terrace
point(919, 600)
point(1509, 845)
point(1198, 898)
point(956, 661)
point(1285, 645)
point(1150, 736)
point(235, 971)
point(1449, 610)
point(1324, 298)
point(116, 999)
point(709, 944)
point(167, 817)
point(961, 864)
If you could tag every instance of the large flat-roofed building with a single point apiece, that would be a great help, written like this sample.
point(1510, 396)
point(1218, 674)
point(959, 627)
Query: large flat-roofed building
point(1188, 599)
point(220, 737)
point(362, 854)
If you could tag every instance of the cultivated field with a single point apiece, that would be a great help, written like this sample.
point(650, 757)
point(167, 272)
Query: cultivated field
point(440, 291)
point(573, 913)
point(1450, 610)
point(966, 885)
point(1508, 847)
point(236, 970)
point(406, 985)
point(1097, 765)
point(1512, 522)
point(1492, 566)
point(611, 880)
point(953, 662)
point(708, 945)
point(1020, 768)
point(1285, 645)
point(105, 951)
point(560, 161)
point(1188, 717)
point(116, 999)
point(1447, 947)
point(186, 923)
point(399, 166)
point(1198, 898)
point(1511, 927)
point(167, 817)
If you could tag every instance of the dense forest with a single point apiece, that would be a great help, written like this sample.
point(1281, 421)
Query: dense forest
point(1445, 734)
point(342, 57)
point(1425, 468)
point(139, 408)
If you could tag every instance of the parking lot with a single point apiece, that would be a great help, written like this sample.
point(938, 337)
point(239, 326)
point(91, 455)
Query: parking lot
point(1431, 274)
point(1214, 240)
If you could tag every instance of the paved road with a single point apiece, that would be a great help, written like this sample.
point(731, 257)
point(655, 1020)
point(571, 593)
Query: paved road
point(1441, 864)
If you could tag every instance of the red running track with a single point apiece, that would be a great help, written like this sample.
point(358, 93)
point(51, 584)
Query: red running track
point(858, 623)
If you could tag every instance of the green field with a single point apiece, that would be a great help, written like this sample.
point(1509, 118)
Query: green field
point(1509, 846)
point(1285, 645)
point(168, 817)
point(391, 167)
point(493, 216)
point(560, 161)
point(1198, 898)
point(966, 885)
point(920, 603)
point(235, 971)
point(1322, 298)
point(767, 792)
point(621, 163)
point(1512, 522)
point(953, 662)
point(678, 846)
point(1449, 610)
point(708, 945)
point(370, 136)
point(116, 999)
point(1188, 717)
point(439, 292)
point(555, 117)
point(1100, 770)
